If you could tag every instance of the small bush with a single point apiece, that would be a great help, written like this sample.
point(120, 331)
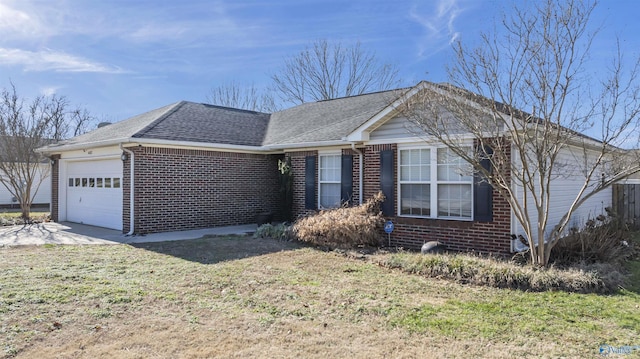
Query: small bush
point(279, 231)
point(604, 239)
point(465, 268)
point(345, 227)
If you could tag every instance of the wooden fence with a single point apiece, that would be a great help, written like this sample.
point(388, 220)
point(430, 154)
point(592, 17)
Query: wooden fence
point(626, 202)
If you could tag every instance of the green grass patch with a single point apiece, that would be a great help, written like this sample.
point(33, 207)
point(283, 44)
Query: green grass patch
point(633, 280)
point(509, 314)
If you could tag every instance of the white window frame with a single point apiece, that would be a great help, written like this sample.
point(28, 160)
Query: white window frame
point(433, 182)
point(321, 182)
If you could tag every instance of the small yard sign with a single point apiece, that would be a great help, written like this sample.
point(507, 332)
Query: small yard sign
point(388, 227)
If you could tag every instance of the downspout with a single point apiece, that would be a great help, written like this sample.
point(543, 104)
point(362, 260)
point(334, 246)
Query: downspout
point(361, 172)
point(131, 190)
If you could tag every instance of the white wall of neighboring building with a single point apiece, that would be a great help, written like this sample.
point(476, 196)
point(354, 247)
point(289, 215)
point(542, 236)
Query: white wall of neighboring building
point(43, 196)
point(565, 187)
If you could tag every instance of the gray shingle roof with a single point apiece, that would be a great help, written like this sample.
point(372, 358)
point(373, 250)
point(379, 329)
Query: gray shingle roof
point(184, 121)
point(119, 130)
point(197, 122)
point(326, 120)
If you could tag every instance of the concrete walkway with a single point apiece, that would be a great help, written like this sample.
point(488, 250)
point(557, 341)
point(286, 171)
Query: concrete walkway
point(74, 233)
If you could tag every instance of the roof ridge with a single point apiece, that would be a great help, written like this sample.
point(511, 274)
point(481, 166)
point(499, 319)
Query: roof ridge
point(229, 108)
point(158, 120)
point(364, 94)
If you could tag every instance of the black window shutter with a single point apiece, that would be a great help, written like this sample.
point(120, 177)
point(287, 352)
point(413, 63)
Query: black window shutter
point(346, 180)
point(483, 193)
point(310, 182)
point(386, 181)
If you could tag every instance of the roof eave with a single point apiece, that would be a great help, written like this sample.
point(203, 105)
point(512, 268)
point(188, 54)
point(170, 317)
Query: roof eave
point(49, 150)
point(305, 145)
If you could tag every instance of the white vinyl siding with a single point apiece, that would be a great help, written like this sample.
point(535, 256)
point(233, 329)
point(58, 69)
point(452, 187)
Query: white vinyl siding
point(329, 174)
point(434, 178)
point(564, 188)
point(398, 127)
point(43, 196)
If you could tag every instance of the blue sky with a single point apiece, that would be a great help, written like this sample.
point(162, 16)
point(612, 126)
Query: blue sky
point(120, 58)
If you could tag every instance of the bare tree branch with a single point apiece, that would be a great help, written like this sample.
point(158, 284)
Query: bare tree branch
point(324, 71)
point(248, 98)
point(25, 126)
point(537, 63)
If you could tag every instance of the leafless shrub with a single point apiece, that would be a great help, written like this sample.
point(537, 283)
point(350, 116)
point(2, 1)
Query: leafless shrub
point(345, 227)
point(604, 239)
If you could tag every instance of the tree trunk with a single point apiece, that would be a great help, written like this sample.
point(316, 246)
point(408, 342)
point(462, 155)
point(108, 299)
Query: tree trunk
point(26, 213)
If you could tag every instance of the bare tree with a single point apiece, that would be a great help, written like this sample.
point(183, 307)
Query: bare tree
point(538, 63)
point(25, 126)
point(248, 98)
point(326, 71)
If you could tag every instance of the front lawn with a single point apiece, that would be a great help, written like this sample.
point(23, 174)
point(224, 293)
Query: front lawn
point(243, 297)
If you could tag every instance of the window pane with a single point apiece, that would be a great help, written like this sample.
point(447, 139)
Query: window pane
point(84, 182)
point(107, 183)
point(70, 182)
point(99, 182)
point(330, 168)
point(415, 165)
point(451, 167)
point(454, 200)
point(92, 182)
point(329, 195)
point(77, 182)
point(415, 199)
point(116, 182)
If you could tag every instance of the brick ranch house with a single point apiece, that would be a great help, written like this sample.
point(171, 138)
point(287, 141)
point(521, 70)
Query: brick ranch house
point(190, 165)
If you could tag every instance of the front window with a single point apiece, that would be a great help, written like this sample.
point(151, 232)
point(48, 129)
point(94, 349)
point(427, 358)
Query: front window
point(415, 182)
point(329, 172)
point(434, 183)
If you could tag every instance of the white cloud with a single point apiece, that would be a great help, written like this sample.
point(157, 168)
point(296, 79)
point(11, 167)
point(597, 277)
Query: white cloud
point(48, 60)
point(49, 90)
point(438, 24)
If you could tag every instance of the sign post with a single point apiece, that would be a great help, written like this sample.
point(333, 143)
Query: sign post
point(388, 227)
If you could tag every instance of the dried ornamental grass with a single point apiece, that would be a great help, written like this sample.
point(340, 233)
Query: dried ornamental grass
point(500, 274)
point(344, 227)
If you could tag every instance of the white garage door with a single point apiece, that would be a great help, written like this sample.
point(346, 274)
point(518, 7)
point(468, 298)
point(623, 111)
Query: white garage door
point(94, 193)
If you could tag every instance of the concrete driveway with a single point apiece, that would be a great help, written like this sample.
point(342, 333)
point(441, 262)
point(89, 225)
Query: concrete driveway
point(74, 233)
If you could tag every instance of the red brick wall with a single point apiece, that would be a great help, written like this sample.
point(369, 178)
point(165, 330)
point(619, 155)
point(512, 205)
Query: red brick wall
point(297, 169)
point(178, 189)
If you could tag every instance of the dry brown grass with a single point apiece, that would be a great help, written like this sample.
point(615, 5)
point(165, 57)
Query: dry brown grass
point(238, 297)
point(345, 227)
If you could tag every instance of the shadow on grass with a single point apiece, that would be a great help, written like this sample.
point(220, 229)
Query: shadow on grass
point(215, 249)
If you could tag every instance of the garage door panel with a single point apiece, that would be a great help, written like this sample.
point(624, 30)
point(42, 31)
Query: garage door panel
point(94, 193)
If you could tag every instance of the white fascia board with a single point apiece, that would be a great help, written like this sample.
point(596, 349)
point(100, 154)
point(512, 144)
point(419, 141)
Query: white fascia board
point(197, 146)
point(127, 142)
point(306, 146)
point(58, 149)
